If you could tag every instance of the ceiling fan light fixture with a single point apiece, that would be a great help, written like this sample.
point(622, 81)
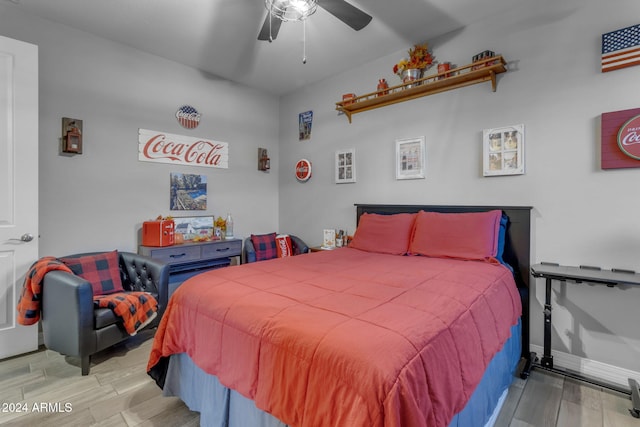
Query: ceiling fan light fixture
point(291, 10)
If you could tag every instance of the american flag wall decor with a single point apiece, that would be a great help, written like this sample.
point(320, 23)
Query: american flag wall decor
point(188, 117)
point(621, 48)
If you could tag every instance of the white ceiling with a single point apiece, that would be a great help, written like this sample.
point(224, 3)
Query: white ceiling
point(220, 36)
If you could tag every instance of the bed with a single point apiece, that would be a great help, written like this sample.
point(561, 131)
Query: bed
point(361, 336)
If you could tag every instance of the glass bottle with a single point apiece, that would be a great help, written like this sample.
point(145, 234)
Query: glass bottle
point(229, 227)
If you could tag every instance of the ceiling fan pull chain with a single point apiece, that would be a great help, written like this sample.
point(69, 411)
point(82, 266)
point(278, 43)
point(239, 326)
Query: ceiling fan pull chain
point(304, 41)
point(270, 19)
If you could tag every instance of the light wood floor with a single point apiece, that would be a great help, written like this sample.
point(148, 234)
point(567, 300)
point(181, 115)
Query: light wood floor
point(548, 399)
point(118, 392)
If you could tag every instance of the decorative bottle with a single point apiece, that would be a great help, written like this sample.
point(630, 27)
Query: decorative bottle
point(229, 227)
point(382, 87)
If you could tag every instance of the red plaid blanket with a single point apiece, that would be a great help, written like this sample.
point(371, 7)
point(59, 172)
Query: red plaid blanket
point(31, 297)
point(136, 309)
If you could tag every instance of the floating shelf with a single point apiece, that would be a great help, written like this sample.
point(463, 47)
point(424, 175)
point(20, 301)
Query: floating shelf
point(478, 72)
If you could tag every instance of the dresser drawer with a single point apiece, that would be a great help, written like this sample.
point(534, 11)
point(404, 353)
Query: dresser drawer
point(176, 254)
point(221, 249)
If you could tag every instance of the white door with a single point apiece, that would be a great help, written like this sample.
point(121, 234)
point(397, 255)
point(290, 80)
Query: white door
point(18, 187)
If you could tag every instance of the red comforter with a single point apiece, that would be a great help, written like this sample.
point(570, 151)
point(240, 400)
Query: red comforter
point(345, 337)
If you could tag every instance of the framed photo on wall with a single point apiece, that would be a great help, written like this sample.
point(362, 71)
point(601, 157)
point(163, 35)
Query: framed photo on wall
point(345, 166)
point(410, 158)
point(503, 151)
point(188, 192)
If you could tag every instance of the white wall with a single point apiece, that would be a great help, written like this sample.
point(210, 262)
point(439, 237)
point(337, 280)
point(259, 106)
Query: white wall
point(581, 215)
point(98, 200)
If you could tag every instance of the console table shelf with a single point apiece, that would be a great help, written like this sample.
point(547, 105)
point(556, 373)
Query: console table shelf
point(188, 259)
point(478, 72)
point(582, 274)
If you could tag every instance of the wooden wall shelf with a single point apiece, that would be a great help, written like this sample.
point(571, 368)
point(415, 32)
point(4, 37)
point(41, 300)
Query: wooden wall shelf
point(429, 85)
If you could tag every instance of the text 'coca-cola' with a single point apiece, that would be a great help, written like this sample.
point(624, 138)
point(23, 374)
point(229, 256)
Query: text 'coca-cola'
point(163, 147)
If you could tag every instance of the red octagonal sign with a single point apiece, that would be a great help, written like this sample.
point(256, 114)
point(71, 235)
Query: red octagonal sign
point(629, 138)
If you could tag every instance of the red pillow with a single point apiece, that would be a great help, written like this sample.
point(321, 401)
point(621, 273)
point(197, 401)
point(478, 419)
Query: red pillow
point(264, 246)
point(284, 247)
point(101, 270)
point(470, 235)
point(386, 234)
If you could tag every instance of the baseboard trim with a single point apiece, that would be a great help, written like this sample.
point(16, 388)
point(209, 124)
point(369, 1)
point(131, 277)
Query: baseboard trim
point(590, 368)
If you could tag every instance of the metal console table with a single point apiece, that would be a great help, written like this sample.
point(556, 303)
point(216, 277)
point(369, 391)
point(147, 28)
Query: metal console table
point(587, 274)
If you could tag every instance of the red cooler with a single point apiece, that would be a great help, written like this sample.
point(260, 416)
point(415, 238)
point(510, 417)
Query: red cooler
point(158, 233)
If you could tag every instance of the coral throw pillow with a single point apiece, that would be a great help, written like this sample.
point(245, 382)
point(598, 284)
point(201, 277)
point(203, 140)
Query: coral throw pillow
point(284, 246)
point(386, 234)
point(264, 245)
point(101, 270)
point(470, 235)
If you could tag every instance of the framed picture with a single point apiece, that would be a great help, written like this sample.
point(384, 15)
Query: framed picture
point(503, 151)
point(410, 158)
point(305, 120)
point(188, 192)
point(329, 238)
point(193, 227)
point(345, 166)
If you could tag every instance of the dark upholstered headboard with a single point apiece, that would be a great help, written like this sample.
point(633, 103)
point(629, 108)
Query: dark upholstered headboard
point(517, 249)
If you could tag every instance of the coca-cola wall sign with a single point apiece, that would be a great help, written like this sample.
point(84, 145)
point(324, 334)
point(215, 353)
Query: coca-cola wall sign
point(620, 139)
point(303, 170)
point(162, 147)
point(188, 117)
point(629, 138)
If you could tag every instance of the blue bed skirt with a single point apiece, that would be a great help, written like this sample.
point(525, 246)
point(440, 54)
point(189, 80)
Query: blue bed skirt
point(221, 407)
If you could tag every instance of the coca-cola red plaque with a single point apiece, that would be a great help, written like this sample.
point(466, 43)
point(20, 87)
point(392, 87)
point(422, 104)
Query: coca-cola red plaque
point(162, 147)
point(303, 170)
point(629, 138)
point(620, 139)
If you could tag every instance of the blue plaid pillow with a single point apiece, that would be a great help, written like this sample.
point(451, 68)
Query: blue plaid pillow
point(264, 245)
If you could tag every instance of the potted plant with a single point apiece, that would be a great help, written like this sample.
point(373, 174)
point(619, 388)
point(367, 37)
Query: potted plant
point(411, 69)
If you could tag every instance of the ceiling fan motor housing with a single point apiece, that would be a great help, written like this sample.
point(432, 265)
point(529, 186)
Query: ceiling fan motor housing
point(300, 10)
point(291, 10)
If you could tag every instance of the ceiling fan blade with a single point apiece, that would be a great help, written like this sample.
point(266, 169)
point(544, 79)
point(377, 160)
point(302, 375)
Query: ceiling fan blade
point(350, 15)
point(275, 27)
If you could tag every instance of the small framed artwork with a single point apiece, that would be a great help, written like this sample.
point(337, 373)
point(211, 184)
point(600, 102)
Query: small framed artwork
point(305, 120)
point(410, 158)
point(190, 228)
point(345, 166)
point(329, 238)
point(188, 192)
point(503, 151)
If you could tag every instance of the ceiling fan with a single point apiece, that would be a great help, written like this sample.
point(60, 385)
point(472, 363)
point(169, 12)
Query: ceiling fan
point(299, 10)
